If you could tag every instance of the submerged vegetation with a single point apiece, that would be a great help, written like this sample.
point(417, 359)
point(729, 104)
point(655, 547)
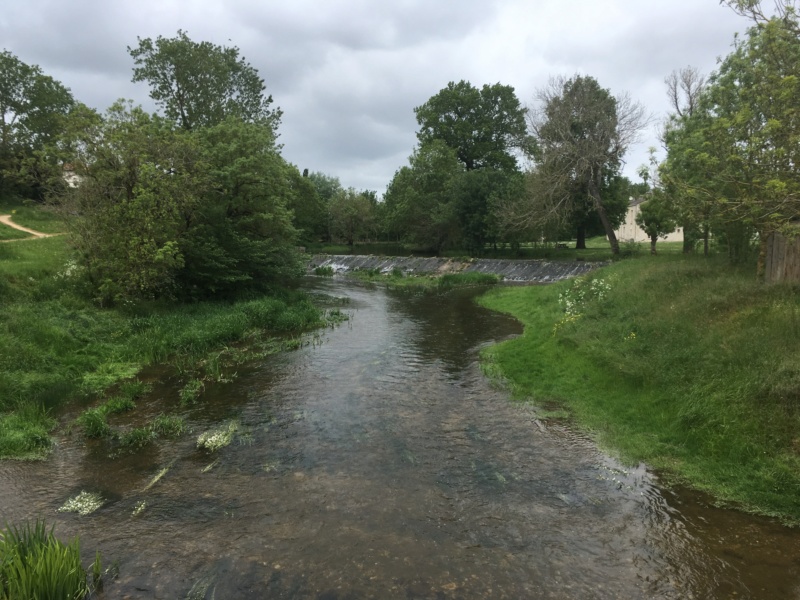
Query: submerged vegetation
point(684, 363)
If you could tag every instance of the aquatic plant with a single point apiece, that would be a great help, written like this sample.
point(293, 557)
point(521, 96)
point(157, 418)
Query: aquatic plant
point(214, 439)
point(326, 271)
point(191, 391)
point(138, 437)
point(94, 423)
point(84, 503)
point(168, 425)
point(34, 564)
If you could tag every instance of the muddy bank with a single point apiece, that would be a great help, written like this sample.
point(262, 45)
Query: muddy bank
point(519, 271)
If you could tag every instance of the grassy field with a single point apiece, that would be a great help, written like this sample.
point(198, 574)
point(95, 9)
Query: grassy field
point(684, 363)
point(31, 216)
point(55, 345)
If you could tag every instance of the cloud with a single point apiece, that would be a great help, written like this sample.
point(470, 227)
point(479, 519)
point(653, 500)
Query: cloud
point(348, 73)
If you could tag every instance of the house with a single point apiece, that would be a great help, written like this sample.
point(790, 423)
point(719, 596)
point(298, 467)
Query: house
point(629, 231)
point(71, 177)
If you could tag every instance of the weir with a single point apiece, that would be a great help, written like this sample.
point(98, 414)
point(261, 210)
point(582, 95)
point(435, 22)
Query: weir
point(515, 271)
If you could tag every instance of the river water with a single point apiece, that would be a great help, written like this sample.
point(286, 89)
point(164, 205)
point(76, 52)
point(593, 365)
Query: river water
point(378, 462)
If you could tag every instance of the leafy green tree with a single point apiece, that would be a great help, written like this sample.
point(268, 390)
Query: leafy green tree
point(308, 209)
point(32, 108)
point(737, 155)
point(418, 200)
point(352, 215)
point(198, 84)
point(327, 186)
point(140, 185)
point(484, 126)
point(241, 234)
point(162, 212)
point(475, 196)
point(582, 133)
point(656, 218)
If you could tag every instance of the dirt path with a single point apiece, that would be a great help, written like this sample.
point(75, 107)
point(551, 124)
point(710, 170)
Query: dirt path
point(6, 220)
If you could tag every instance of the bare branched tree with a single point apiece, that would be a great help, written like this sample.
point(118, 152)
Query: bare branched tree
point(582, 133)
point(684, 88)
point(786, 10)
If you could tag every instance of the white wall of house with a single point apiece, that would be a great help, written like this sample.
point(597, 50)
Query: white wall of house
point(630, 231)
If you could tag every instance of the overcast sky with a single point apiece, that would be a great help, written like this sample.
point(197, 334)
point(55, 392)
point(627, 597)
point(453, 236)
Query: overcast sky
point(348, 73)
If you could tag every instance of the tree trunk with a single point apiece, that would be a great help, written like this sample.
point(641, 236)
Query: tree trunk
point(705, 240)
point(580, 243)
point(594, 192)
point(653, 240)
point(761, 268)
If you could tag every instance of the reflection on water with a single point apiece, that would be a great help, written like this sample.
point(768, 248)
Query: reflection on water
point(381, 464)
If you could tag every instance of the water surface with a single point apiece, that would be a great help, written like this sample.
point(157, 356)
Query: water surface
point(380, 463)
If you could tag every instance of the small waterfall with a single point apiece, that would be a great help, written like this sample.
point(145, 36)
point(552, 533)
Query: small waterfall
point(514, 271)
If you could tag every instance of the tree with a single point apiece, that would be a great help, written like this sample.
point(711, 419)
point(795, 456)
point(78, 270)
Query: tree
point(139, 187)
point(162, 212)
point(738, 153)
point(785, 10)
point(32, 108)
point(582, 133)
point(351, 215)
point(241, 236)
point(308, 208)
point(685, 88)
point(656, 218)
point(418, 199)
point(200, 84)
point(484, 126)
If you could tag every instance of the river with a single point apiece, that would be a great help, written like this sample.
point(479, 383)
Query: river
point(378, 462)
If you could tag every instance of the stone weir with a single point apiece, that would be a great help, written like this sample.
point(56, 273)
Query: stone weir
point(512, 271)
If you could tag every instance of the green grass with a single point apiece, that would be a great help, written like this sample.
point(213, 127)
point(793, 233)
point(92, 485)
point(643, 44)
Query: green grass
point(33, 216)
point(683, 363)
point(9, 233)
point(55, 345)
point(35, 564)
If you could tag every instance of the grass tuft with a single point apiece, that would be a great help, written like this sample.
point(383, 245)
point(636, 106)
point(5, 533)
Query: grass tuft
point(35, 564)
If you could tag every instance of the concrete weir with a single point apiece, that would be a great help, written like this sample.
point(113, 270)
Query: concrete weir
point(512, 271)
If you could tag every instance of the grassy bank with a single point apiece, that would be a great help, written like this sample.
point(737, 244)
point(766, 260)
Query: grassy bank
point(683, 363)
point(597, 249)
point(56, 346)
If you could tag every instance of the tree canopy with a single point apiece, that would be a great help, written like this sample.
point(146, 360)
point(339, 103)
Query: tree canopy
point(162, 212)
point(199, 84)
point(734, 159)
point(484, 126)
point(32, 108)
point(582, 133)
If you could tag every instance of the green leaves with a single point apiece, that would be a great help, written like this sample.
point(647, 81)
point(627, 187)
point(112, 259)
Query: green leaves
point(199, 84)
point(484, 126)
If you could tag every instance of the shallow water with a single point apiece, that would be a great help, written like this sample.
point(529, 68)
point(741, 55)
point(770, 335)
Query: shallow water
point(382, 464)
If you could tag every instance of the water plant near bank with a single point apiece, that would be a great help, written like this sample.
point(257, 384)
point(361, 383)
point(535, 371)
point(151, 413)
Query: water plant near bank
point(687, 364)
point(36, 564)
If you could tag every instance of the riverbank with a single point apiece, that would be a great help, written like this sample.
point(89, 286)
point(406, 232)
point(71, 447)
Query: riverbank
point(683, 363)
point(56, 346)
